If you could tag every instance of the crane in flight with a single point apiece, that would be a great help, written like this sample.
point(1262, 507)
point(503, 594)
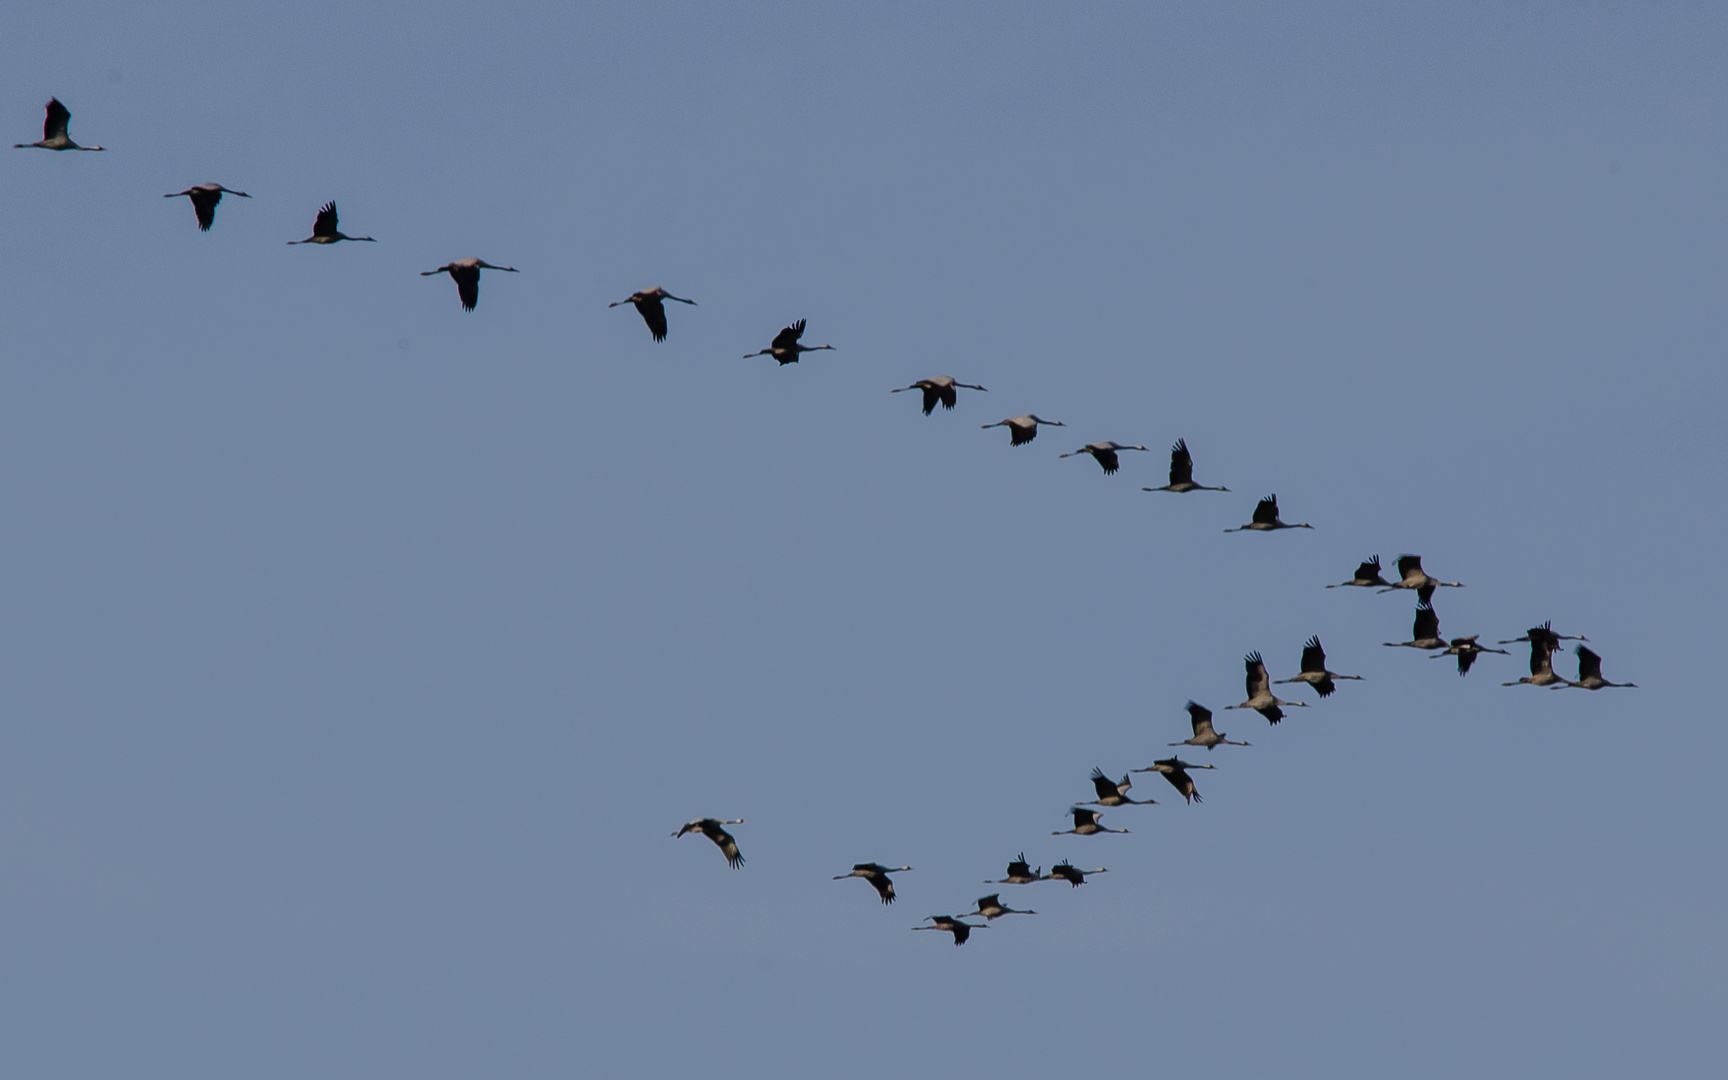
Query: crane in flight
point(1024, 428)
point(1020, 872)
point(1367, 576)
point(992, 908)
point(54, 135)
point(1266, 518)
point(1175, 770)
point(1314, 671)
point(1424, 633)
point(1466, 650)
point(1085, 824)
point(1182, 472)
point(1204, 735)
point(877, 875)
point(1104, 453)
point(204, 199)
point(715, 830)
point(466, 274)
point(648, 305)
point(785, 347)
point(1590, 672)
point(1114, 792)
point(1073, 875)
point(938, 389)
point(1260, 696)
point(324, 229)
point(960, 930)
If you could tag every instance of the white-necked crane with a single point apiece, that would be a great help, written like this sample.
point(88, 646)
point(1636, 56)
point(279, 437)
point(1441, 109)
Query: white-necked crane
point(1466, 650)
point(1204, 735)
point(54, 135)
point(1020, 872)
point(992, 907)
point(1266, 518)
point(1541, 667)
point(1182, 472)
point(1545, 632)
point(1260, 697)
point(1104, 453)
point(1424, 633)
point(715, 830)
point(204, 199)
point(877, 875)
point(1175, 770)
point(1023, 429)
point(1367, 575)
point(324, 229)
point(1590, 672)
point(653, 311)
point(1412, 576)
point(466, 274)
point(938, 389)
point(1072, 874)
point(960, 930)
point(1085, 824)
point(785, 347)
point(1314, 671)
point(1114, 792)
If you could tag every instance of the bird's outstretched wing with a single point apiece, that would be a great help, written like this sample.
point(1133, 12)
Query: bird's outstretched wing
point(54, 124)
point(1181, 464)
point(1266, 511)
point(788, 337)
point(325, 224)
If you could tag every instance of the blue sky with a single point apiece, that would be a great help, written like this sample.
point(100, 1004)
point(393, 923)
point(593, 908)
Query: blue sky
point(360, 653)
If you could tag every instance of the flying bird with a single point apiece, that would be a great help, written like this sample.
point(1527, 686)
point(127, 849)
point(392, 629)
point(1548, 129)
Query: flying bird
point(1105, 454)
point(466, 274)
point(54, 135)
point(1023, 429)
point(1541, 667)
point(785, 347)
point(1412, 576)
point(1020, 872)
point(960, 930)
point(1085, 824)
point(1114, 792)
point(1590, 672)
point(324, 229)
point(992, 908)
point(1182, 472)
point(1546, 633)
point(1201, 717)
point(1314, 671)
point(1266, 518)
point(1425, 633)
point(1466, 650)
point(937, 388)
point(877, 875)
point(204, 199)
point(653, 312)
point(1073, 875)
point(1368, 574)
point(1175, 770)
point(1260, 697)
point(714, 829)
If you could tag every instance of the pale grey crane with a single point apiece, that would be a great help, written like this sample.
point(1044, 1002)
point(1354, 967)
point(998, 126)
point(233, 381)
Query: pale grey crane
point(1175, 770)
point(1073, 875)
point(1266, 518)
point(992, 908)
point(714, 829)
point(1367, 575)
point(1023, 429)
point(1085, 824)
point(466, 274)
point(1314, 671)
point(1201, 717)
point(1541, 667)
point(1104, 453)
point(1260, 697)
point(960, 930)
point(204, 199)
point(1590, 672)
point(1412, 576)
point(54, 135)
point(1020, 872)
point(938, 389)
point(1114, 792)
point(785, 347)
point(1466, 650)
point(877, 875)
point(1182, 472)
point(649, 305)
point(1425, 633)
point(324, 229)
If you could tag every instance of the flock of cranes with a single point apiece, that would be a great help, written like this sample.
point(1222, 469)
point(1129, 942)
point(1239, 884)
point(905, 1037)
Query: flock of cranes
point(787, 347)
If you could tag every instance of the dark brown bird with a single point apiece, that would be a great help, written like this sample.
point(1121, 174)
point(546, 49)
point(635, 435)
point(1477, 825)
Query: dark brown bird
point(960, 930)
point(1314, 671)
point(466, 274)
point(1073, 875)
point(1546, 633)
point(1367, 574)
point(54, 135)
point(653, 311)
point(1201, 717)
point(785, 347)
point(992, 908)
point(1085, 824)
point(1466, 650)
point(1105, 454)
point(1023, 429)
point(877, 875)
point(1182, 472)
point(1020, 872)
point(714, 829)
point(1266, 518)
point(938, 389)
point(324, 229)
point(1425, 633)
point(1260, 697)
point(1590, 672)
point(204, 199)
point(1175, 770)
point(1114, 792)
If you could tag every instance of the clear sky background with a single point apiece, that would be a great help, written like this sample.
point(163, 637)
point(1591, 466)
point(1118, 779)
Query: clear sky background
point(358, 654)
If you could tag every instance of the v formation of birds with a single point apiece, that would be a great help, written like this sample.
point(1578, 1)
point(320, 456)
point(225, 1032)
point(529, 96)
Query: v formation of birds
point(787, 347)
